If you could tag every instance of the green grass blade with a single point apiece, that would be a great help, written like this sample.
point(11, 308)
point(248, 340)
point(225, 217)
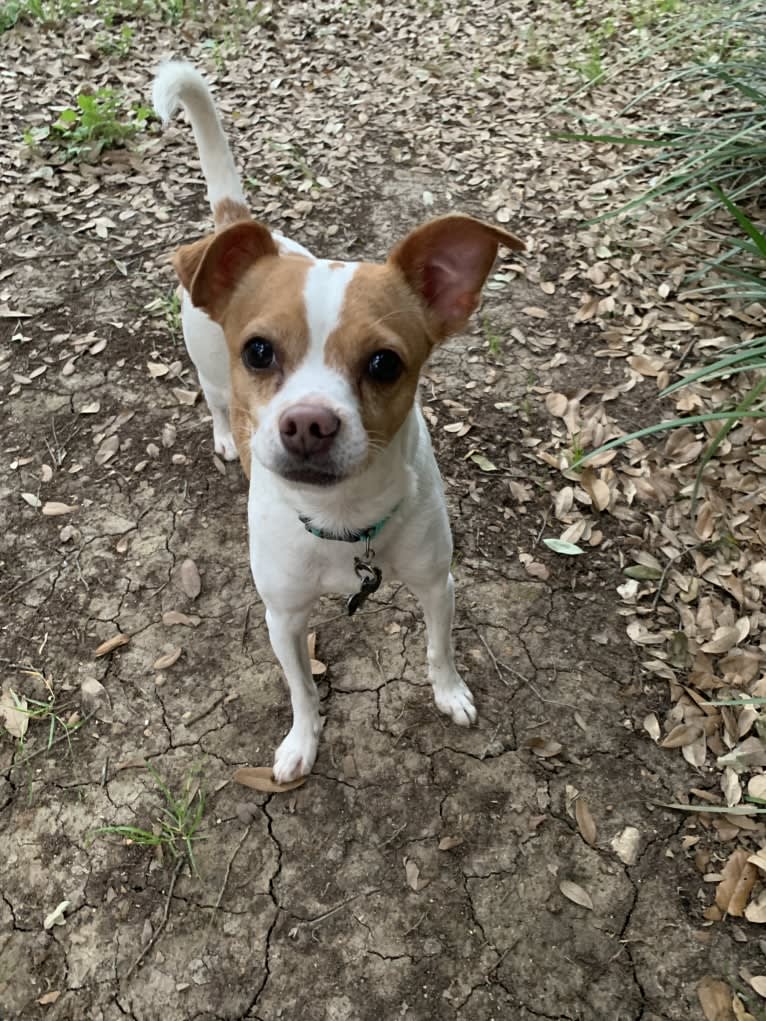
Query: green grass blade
point(745, 223)
point(741, 409)
point(715, 416)
point(722, 363)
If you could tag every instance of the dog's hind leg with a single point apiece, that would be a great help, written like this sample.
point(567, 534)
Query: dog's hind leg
point(218, 403)
point(206, 345)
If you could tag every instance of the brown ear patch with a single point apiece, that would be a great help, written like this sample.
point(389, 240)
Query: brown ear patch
point(446, 263)
point(186, 259)
point(211, 268)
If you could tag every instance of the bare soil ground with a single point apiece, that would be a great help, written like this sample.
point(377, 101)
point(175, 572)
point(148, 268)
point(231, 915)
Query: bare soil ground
point(418, 873)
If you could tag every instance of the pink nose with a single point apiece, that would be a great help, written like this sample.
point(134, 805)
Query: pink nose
point(308, 429)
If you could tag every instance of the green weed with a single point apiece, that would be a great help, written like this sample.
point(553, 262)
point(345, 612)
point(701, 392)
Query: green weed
point(168, 306)
point(176, 828)
point(592, 68)
point(15, 11)
point(97, 122)
point(59, 718)
point(119, 44)
point(494, 342)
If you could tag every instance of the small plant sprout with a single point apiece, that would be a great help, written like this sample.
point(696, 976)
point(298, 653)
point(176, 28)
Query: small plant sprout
point(167, 306)
point(494, 342)
point(97, 122)
point(175, 830)
point(60, 718)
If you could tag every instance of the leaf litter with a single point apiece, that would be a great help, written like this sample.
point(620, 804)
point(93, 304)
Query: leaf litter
point(699, 576)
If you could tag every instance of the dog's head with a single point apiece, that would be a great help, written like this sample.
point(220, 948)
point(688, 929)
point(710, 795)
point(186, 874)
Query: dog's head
point(325, 356)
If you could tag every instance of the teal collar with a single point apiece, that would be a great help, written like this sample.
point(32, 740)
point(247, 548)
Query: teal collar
point(352, 535)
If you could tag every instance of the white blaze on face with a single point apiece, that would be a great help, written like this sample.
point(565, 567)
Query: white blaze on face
point(315, 382)
point(324, 294)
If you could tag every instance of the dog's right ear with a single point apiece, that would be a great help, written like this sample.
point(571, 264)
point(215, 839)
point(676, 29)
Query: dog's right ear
point(209, 269)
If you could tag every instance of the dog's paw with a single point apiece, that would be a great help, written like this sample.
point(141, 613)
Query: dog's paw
point(225, 446)
point(295, 756)
point(455, 700)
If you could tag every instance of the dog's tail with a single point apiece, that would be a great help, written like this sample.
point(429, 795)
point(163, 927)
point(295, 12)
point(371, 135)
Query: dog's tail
point(180, 84)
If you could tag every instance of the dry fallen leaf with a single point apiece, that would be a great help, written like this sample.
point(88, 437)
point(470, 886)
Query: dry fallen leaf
point(261, 778)
point(575, 893)
point(107, 450)
point(543, 747)
point(556, 405)
point(52, 509)
point(738, 878)
point(317, 666)
point(168, 659)
point(731, 787)
point(715, 999)
point(626, 844)
point(12, 713)
point(652, 726)
point(756, 910)
point(190, 579)
point(756, 786)
point(758, 982)
point(447, 843)
point(172, 617)
point(682, 735)
point(585, 822)
point(412, 872)
point(111, 644)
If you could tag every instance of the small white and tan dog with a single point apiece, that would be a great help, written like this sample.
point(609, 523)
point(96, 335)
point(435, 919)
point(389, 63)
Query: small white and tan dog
point(310, 370)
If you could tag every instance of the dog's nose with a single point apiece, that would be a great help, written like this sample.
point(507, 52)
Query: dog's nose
point(308, 429)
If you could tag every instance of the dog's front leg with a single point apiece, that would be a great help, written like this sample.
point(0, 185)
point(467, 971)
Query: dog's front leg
point(451, 694)
point(287, 631)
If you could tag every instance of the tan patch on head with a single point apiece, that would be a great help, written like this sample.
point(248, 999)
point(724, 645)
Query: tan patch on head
point(229, 211)
point(380, 312)
point(267, 303)
point(187, 258)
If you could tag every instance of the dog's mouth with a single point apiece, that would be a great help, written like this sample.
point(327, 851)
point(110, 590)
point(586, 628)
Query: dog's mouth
point(307, 475)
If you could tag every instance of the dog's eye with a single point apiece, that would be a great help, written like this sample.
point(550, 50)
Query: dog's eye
point(258, 353)
point(385, 367)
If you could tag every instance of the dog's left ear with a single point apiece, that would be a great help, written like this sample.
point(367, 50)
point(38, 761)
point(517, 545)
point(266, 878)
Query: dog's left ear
point(210, 268)
point(446, 263)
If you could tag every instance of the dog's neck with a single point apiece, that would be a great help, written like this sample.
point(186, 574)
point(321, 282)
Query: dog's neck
point(359, 502)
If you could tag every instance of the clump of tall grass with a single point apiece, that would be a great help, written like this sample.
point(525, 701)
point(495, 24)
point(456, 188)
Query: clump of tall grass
point(711, 161)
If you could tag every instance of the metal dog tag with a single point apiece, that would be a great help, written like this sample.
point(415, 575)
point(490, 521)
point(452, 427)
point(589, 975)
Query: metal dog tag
point(370, 578)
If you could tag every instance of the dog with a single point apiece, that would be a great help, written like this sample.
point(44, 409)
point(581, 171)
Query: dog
point(310, 370)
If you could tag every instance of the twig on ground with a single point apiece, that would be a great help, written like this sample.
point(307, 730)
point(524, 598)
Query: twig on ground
point(499, 666)
point(526, 680)
point(229, 864)
point(338, 907)
point(492, 656)
point(34, 577)
point(156, 935)
point(393, 836)
point(661, 582)
point(539, 535)
point(205, 712)
point(412, 928)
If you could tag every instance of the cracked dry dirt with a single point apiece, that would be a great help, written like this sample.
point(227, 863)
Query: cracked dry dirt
point(317, 918)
